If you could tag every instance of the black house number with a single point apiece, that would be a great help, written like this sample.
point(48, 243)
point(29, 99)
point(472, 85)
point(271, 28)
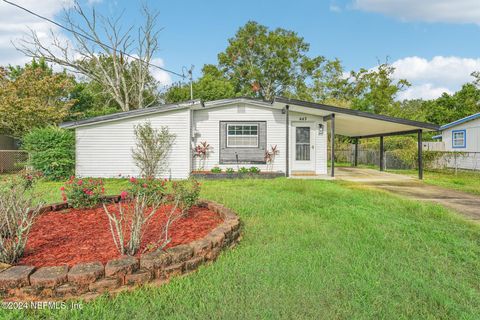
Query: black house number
point(303, 118)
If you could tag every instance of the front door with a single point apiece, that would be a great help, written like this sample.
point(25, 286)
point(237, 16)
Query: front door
point(303, 147)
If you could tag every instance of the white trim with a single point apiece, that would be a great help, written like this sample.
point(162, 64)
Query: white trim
point(249, 124)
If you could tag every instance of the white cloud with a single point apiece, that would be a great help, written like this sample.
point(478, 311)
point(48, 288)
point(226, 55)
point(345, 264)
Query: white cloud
point(16, 23)
point(161, 76)
point(453, 11)
point(93, 2)
point(335, 8)
point(425, 91)
point(430, 78)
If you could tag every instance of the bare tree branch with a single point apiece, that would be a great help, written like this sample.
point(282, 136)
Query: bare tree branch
point(100, 51)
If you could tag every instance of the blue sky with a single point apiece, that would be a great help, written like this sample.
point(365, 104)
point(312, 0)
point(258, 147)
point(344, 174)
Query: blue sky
point(433, 43)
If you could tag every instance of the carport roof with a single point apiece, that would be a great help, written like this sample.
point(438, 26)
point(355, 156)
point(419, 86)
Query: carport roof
point(354, 123)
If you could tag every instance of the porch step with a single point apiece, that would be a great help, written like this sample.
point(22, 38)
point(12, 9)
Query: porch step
point(303, 173)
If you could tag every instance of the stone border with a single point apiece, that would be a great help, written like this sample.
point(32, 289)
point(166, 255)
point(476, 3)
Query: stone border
point(88, 280)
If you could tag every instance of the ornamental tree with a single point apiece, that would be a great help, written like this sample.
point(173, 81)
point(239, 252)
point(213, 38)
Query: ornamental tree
point(32, 96)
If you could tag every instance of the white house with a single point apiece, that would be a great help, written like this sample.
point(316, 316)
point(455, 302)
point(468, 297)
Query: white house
point(239, 130)
point(462, 136)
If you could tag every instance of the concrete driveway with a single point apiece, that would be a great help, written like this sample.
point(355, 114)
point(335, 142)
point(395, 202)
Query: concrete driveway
point(466, 204)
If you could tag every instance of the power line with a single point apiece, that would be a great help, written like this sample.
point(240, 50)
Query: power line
point(90, 38)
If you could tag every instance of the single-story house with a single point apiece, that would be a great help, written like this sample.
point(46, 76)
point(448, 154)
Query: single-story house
point(239, 131)
point(461, 136)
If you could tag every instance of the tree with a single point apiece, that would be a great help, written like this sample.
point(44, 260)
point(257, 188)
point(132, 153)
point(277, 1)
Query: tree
point(374, 90)
point(105, 53)
point(152, 149)
point(263, 63)
point(33, 96)
point(211, 86)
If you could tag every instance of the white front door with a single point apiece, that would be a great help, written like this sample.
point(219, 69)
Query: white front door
point(303, 144)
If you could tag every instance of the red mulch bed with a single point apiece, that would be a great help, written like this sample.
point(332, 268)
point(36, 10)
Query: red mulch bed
point(83, 235)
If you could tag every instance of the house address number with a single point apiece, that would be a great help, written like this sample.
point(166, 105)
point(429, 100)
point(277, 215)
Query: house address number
point(303, 118)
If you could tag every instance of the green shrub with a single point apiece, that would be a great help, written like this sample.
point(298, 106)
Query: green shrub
point(83, 193)
point(216, 170)
point(185, 193)
point(254, 170)
point(153, 189)
point(243, 170)
point(229, 170)
point(52, 151)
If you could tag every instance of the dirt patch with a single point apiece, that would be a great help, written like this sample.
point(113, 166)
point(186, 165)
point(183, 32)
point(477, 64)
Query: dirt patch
point(83, 235)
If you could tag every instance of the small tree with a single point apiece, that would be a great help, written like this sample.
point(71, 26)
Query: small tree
point(152, 149)
point(133, 216)
point(17, 214)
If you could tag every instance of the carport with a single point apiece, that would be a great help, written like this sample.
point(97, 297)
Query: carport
point(361, 125)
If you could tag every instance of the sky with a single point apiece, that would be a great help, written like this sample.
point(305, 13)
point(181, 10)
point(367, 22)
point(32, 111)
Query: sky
point(434, 44)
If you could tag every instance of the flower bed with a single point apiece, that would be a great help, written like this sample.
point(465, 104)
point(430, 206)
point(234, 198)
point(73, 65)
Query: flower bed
point(89, 267)
point(236, 175)
point(81, 235)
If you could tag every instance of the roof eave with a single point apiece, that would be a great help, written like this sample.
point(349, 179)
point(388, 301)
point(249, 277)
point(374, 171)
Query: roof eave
point(333, 109)
point(129, 114)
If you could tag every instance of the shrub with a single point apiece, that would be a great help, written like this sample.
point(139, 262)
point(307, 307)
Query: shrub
point(151, 188)
point(254, 170)
point(17, 215)
point(83, 193)
point(185, 194)
point(270, 156)
point(243, 170)
point(132, 216)
point(152, 149)
point(229, 170)
point(52, 151)
point(202, 151)
point(216, 170)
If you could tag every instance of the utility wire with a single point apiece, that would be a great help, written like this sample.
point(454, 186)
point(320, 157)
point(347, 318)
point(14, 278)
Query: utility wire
point(90, 38)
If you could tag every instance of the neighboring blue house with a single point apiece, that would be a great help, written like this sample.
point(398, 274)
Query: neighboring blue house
point(463, 136)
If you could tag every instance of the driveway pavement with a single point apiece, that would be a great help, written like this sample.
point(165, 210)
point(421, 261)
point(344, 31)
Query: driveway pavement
point(466, 204)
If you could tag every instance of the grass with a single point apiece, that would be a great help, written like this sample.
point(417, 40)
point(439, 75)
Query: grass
point(466, 181)
point(463, 180)
point(315, 249)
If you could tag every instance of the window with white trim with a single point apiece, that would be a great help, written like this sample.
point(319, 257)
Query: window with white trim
point(458, 139)
point(242, 135)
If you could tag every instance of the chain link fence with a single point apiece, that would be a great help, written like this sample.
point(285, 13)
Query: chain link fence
point(12, 161)
point(432, 159)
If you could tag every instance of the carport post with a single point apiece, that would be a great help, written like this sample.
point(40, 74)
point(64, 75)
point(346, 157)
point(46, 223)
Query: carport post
point(332, 143)
point(382, 154)
point(355, 157)
point(420, 154)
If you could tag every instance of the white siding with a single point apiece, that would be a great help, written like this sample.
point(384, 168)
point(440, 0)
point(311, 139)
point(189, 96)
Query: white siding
point(472, 129)
point(207, 125)
point(105, 149)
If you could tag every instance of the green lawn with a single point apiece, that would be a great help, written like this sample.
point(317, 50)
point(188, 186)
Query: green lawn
point(316, 249)
point(466, 181)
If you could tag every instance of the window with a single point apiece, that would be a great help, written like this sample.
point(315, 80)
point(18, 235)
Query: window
point(242, 135)
point(458, 139)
